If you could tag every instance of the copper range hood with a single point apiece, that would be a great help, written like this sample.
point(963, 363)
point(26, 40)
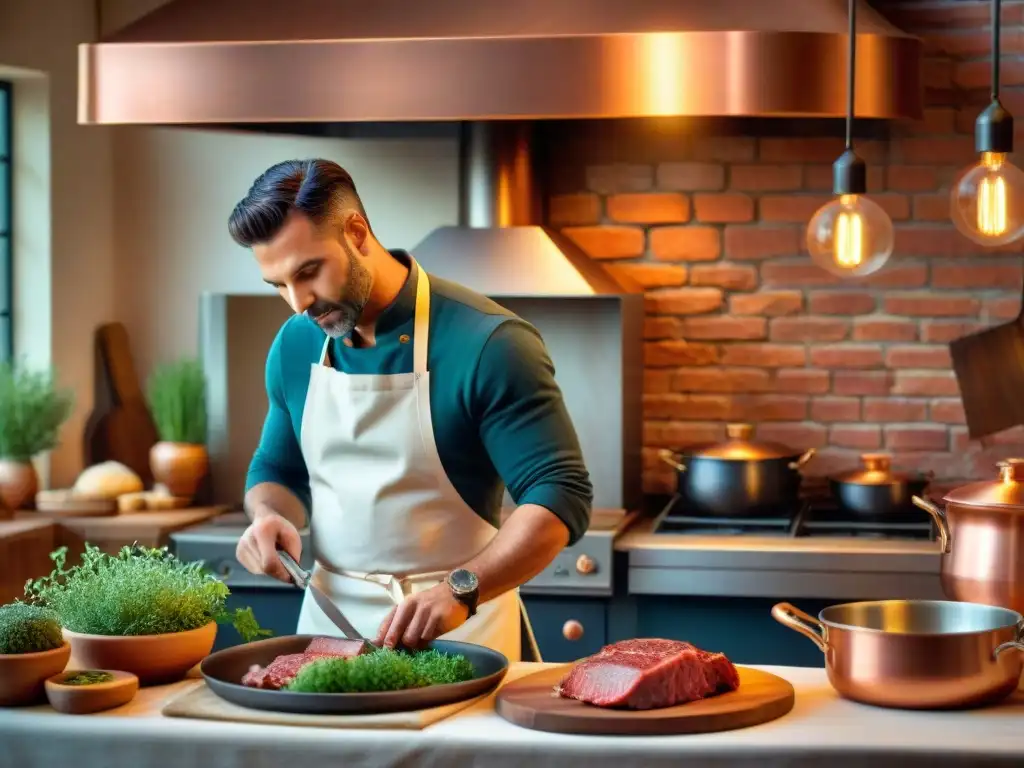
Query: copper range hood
point(265, 61)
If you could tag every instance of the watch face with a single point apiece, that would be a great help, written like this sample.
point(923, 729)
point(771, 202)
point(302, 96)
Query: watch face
point(462, 581)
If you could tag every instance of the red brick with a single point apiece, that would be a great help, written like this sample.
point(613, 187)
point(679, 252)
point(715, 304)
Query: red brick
point(984, 275)
point(664, 208)
point(676, 352)
point(799, 435)
point(937, 120)
point(662, 328)
point(897, 206)
point(816, 150)
point(912, 178)
point(764, 355)
point(795, 274)
point(1001, 309)
point(567, 210)
point(835, 409)
point(809, 329)
point(761, 242)
point(683, 301)
point(733, 277)
point(861, 382)
point(608, 242)
point(728, 149)
point(724, 327)
point(650, 275)
point(619, 177)
point(931, 305)
point(936, 383)
point(767, 303)
point(675, 406)
point(978, 74)
point(721, 380)
point(860, 436)
point(937, 73)
point(840, 303)
point(804, 380)
point(791, 208)
point(931, 240)
point(896, 276)
point(678, 435)
point(944, 331)
point(871, 329)
point(686, 243)
point(688, 177)
point(889, 409)
point(957, 151)
point(723, 208)
point(847, 356)
point(931, 207)
point(776, 408)
point(920, 356)
point(947, 411)
point(657, 382)
point(917, 438)
point(761, 178)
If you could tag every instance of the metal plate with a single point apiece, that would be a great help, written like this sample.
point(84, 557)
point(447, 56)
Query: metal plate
point(223, 672)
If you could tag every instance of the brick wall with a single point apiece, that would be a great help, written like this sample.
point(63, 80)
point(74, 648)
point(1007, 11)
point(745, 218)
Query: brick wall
point(709, 216)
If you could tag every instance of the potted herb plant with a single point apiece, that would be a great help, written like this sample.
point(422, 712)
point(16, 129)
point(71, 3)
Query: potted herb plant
point(32, 649)
point(141, 611)
point(177, 401)
point(32, 411)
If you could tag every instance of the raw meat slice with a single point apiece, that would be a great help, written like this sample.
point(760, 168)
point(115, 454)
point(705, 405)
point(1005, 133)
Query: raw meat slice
point(284, 668)
point(648, 673)
point(337, 646)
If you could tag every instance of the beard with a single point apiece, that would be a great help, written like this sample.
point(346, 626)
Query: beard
point(338, 318)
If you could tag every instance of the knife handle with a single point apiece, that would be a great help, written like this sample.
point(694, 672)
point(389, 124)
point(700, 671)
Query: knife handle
point(299, 576)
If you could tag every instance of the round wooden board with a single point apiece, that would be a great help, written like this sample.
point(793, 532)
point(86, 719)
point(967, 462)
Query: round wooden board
point(531, 702)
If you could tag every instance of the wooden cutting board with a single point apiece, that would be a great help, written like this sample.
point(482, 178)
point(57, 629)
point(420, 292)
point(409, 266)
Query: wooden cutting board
point(530, 702)
point(202, 703)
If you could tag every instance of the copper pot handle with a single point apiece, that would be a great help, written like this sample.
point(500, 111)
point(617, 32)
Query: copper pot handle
point(1016, 645)
point(807, 456)
point(939, 516)
point(792, 617)
point(670, 458)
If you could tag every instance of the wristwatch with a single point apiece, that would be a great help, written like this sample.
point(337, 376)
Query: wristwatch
point(465, 588)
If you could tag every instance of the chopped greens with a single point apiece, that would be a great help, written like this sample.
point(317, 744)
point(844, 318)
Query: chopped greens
point(381, 670)
point(88, 677)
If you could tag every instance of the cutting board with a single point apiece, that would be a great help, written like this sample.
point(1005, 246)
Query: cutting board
point(203, 704)
point(530, 702)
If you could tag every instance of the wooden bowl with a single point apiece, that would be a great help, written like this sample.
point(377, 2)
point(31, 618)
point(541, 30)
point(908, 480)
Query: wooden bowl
point(154, 659)
point(22, 675)
point(86, 698)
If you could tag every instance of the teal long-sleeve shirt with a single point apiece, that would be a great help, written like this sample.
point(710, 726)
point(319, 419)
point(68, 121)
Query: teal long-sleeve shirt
point(499, 417)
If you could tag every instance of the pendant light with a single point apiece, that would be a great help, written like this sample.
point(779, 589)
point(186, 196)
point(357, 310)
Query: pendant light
point(850, 236)
point(987, 199)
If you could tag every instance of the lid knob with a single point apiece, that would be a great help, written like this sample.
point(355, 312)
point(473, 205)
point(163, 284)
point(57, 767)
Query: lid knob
point(739, 431)
point(1011, 470)
point(876, 462)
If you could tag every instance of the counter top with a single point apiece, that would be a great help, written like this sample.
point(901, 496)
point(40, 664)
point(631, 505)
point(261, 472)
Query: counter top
point(822, 729)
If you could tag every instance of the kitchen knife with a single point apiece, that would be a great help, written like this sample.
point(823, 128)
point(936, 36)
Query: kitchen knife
point(302, 580)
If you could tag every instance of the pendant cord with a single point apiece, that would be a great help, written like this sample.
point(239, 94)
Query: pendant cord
point(996, 27)
point(851, 78)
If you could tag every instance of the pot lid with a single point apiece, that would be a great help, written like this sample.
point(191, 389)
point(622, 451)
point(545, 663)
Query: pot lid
point(1007, 491)
point(740, 447)
point(876, 469)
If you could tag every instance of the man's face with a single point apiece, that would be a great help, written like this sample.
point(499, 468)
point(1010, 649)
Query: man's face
point(319, 272)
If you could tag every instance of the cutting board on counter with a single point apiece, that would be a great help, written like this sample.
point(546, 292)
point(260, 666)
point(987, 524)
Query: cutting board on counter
point(531, 702)
point(203, 704)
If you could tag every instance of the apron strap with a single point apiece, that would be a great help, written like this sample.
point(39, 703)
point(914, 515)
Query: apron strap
point(323, 353)
point(421, 324)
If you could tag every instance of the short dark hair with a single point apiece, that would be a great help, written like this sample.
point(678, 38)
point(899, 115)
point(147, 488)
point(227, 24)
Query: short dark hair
point(317, 188)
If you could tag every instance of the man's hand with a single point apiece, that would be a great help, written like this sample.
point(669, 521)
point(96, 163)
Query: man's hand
point(422, 617)
point(257, 549)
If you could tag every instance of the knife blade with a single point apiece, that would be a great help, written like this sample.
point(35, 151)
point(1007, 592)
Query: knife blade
point(302, 580)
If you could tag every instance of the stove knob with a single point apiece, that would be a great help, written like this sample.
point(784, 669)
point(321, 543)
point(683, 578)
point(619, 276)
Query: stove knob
point(585, 565)
point(572, 630)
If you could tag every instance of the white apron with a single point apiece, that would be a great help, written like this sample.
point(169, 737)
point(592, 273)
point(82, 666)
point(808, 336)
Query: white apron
point(386, 521)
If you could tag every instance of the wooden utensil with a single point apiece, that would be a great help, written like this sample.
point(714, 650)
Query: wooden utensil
point(989, 367)
point(120, 427)
point(530, 702)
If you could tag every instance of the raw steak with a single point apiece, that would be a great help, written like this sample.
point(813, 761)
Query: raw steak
point(283, 669)
point(648, 674)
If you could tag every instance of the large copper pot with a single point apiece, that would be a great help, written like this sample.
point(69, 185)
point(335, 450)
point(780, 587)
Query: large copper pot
point(981, 534)
point(916, 654)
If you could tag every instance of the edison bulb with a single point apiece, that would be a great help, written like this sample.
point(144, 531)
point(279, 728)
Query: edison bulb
point(987, 201)
point(850, 236)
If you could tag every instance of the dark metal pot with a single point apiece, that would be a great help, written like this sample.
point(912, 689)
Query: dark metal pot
point(875, 491)
point(738, 478)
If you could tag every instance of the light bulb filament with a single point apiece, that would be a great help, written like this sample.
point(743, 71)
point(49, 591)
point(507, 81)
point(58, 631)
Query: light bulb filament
point(848, 244)
point(992, 206)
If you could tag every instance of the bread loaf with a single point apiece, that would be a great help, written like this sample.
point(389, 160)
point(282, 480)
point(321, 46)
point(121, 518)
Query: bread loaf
point(107, 480)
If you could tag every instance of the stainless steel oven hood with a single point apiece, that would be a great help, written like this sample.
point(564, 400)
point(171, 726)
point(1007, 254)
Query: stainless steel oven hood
point(264, 61)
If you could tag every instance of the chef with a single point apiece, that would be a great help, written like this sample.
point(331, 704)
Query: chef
point(401, 406)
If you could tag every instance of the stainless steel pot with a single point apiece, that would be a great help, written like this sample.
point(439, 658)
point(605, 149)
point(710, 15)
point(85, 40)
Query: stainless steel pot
point(981, 534)
point(876, 491)
point(739, 478)
point(916, 654)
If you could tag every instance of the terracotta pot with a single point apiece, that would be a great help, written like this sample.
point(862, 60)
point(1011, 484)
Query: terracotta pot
point(22, 675)
point(981, 534)
point(91, 697)
point(19, 484)
point(154, 659)
point(181, 467)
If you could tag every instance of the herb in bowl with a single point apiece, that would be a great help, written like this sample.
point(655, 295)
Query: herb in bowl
point(28, 628)
point(87, 677)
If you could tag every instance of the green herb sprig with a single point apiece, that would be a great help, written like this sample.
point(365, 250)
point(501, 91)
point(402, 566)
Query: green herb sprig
point(381, 670)
point(177, 401)
point(32, 411)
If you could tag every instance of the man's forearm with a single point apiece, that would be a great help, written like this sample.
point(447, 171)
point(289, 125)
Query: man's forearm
point(526, 544)
point(274, 498)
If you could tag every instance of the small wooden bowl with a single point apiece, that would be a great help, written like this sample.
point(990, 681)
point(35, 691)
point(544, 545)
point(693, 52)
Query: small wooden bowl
point(90, 697)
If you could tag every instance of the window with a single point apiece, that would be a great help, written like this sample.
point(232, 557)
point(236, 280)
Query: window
point(6, 222)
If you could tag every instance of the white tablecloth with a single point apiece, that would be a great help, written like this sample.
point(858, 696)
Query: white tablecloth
point(822, 730)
